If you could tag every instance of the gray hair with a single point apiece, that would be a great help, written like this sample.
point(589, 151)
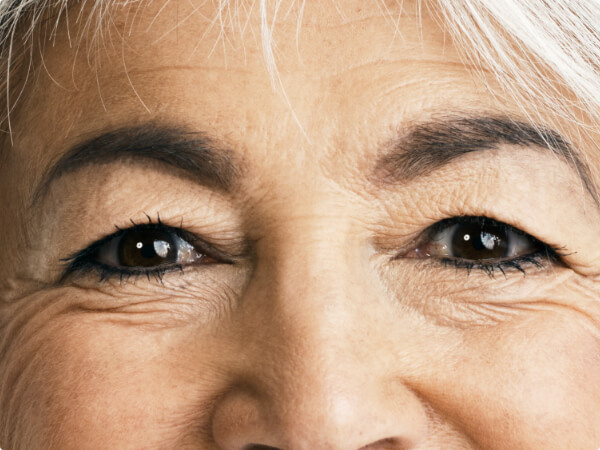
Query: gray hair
point(542, 52)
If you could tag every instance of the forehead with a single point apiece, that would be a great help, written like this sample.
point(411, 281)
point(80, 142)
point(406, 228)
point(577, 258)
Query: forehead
point(291, 82)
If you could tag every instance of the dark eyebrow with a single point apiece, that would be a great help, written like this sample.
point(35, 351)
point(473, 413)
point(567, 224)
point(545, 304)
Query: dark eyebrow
point(430, 145)
point(188, 153)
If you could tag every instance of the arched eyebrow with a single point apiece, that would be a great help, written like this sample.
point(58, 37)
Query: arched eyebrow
point(183, 152)
point(430, 145)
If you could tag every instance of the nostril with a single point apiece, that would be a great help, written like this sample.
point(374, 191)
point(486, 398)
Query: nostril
point(383, 444)
point(259, 447)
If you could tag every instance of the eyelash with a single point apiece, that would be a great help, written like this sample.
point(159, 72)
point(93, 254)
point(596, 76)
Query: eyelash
point(107, 272)
point(546, 254)
point(520, 263)
point(83, 263)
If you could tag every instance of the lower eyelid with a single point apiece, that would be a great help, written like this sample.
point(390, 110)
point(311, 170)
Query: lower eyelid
point(520, 264)
point(106, 273)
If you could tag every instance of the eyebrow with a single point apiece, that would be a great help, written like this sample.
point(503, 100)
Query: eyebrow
point(430, 145)
point(179, 150)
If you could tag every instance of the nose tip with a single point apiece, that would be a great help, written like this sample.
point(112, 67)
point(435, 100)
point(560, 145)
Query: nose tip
point(313, 418)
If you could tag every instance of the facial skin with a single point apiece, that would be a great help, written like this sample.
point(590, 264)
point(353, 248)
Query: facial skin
point(322, 323)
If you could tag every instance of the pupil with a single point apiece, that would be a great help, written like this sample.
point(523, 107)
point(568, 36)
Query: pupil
point(477, 241)
point(147, 248)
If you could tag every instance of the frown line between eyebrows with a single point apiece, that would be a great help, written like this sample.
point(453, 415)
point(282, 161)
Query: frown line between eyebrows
point(432, 144)
point(183, 152)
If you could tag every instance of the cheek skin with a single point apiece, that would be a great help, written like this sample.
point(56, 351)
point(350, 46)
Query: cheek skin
point(76, 380)
point(80, 381)
point(524, 384)
point(521, 354)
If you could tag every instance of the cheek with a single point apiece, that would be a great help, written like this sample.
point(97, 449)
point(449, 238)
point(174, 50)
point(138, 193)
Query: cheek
point(526, 384)
point(88, 383)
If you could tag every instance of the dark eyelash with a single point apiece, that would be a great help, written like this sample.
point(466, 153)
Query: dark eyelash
point(107, 272)
point(478, 220)
point(538, 259)
point(82, 262)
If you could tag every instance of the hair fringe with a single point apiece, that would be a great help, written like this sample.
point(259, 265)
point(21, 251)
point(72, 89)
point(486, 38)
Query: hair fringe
point(544, 54)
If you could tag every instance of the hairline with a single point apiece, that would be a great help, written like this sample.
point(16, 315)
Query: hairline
point(23, 17)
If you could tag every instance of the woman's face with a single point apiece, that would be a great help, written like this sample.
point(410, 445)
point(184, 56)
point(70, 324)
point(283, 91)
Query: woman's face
point(199, 255)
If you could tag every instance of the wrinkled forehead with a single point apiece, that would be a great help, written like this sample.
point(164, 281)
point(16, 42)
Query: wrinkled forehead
point(229, 70)
point(277, 44)
point(116, 45)
point(299, 81)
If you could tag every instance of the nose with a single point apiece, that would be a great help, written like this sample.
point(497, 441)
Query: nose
point(323, 369)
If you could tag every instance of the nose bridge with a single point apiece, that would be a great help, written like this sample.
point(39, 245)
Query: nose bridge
point(320, 353)
point(315, 282)
point(313, 271)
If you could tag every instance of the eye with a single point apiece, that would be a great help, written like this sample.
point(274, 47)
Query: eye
point(150, 249)
point(478, 239)
point(480, 242)
point(146, 246)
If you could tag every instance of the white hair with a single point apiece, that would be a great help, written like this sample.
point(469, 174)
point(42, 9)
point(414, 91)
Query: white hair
point(543, 53)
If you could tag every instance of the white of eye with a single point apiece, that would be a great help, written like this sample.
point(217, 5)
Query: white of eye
point(519, 244)
point(186, 253)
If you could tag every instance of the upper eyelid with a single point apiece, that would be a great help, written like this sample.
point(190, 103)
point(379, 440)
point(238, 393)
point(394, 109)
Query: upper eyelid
point(446, 223)
point(120, 231)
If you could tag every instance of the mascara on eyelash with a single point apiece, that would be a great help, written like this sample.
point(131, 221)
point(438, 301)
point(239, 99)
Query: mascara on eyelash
point(85, 261)
point(546, 253)
point(491, 269)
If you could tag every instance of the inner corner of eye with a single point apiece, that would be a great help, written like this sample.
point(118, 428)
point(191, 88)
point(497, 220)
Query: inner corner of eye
point(420, 251)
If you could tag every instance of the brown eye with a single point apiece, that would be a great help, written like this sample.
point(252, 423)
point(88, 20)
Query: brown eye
point(475, 239)
point(147, 248)
point(479, 241)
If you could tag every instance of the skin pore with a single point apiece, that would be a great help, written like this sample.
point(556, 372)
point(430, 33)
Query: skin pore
point(320, 314)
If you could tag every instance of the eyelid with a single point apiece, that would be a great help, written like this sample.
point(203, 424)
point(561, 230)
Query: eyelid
point(107, 252)
point(85, 260)
point(544, 253)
